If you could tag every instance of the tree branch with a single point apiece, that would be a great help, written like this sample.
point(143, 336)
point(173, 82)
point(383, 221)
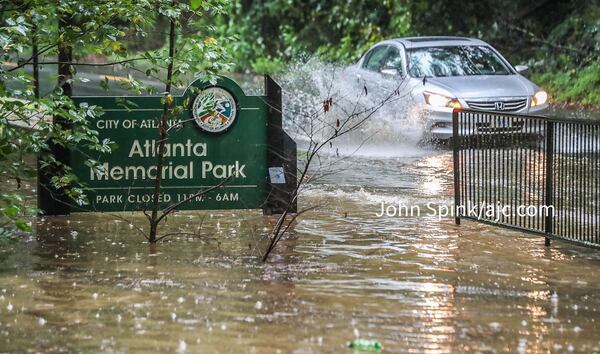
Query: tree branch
point(90, 64)
point(172, 207)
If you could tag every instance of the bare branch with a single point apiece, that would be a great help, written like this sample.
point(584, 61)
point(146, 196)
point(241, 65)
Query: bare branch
point(278, 233)
point(318, 124)
point(90, 64)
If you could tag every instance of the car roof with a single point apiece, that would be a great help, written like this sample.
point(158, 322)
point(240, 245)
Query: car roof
point(437, 41)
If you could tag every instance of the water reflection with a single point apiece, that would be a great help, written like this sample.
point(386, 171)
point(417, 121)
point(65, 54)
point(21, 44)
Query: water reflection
point(87, 283)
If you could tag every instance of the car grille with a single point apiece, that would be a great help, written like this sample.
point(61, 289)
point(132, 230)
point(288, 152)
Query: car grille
point(500, 125)
point(511, 105)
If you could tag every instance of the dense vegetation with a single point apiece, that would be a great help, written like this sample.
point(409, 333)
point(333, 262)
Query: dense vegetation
point(559, 40)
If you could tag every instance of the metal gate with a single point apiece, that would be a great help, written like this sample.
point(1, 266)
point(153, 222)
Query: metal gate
point(529, 173)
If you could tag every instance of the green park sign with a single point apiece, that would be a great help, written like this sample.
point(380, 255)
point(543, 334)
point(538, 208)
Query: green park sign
point(222, 138)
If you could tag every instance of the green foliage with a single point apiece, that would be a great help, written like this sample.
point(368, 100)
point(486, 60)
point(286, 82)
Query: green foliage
point(267, 66)
point(279, 30)
point(106, 28)
point(567, 64)
point(26, 127)
point(13, 211)
point(573, 86)
point(579, 35)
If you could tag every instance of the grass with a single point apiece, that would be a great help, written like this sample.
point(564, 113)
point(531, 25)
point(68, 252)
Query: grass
point(575, 87)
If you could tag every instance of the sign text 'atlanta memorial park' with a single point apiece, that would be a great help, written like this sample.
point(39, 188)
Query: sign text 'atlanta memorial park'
point(223, 135)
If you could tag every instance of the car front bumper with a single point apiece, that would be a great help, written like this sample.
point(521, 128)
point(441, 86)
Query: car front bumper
point(439, 121)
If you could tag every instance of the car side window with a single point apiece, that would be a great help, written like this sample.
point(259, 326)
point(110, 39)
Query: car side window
point(375, 58)
point(393, 60)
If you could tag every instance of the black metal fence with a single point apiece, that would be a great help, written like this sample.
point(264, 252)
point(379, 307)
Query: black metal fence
point(529, 173)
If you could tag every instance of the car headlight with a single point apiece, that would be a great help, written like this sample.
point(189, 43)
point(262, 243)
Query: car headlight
point(440, 100)
point(539, 98)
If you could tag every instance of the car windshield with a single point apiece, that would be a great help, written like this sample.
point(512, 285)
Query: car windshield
point(455, 61)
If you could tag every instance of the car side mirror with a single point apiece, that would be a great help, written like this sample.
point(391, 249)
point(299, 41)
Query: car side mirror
point(390, 72)
point(522, 69)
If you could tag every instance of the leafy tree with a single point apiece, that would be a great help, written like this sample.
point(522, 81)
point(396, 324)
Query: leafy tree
point(34, 122)
point(47, 123)
point(189, 54)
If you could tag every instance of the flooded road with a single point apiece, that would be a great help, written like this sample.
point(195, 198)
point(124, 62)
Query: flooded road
point(88, 283)
point(416, 283)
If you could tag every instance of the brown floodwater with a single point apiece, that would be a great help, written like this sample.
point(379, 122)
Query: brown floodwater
point(88, 282)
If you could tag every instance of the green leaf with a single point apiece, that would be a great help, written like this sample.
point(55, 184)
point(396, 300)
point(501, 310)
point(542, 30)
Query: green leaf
point(12, 211)
point(196, 4)
point(22, 225)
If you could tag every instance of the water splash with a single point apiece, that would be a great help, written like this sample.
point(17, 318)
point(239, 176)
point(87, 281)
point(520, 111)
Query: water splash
point(320, 99)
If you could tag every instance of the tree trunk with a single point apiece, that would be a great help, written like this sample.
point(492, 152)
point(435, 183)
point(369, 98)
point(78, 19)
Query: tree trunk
point(36, 66)
point(65, 55)
point(54, 201)
point(162, 131)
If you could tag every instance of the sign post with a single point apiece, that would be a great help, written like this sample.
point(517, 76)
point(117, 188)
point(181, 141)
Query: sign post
point(222, 137)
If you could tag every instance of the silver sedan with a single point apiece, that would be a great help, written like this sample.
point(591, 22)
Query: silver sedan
point(443, 73)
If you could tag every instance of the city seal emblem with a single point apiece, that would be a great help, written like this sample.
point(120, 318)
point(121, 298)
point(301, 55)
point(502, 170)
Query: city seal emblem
point(214, 109)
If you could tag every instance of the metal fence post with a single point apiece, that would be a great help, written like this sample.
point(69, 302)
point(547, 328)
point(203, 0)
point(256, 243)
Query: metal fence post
point(455, 147)
point(281, 153)
point(549, 193)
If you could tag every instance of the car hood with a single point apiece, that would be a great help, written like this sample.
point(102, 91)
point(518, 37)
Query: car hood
point(484, 86)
